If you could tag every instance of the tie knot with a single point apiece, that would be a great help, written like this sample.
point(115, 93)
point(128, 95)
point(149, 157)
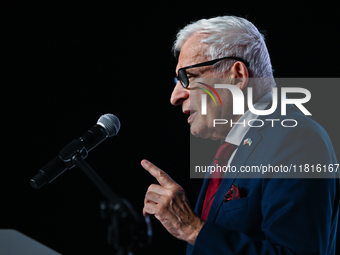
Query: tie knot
point(224, 151)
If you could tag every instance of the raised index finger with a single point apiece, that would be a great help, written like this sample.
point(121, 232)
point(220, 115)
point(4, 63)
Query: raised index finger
point(162, 177)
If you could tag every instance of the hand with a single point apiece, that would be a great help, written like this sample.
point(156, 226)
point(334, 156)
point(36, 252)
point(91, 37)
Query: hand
point(170, 206)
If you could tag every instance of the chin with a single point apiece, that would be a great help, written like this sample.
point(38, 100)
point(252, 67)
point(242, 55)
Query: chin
point(206, 132)
point(200, 132)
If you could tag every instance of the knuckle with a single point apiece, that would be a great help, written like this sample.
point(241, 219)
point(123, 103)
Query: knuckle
point(145, 208)
point(162, 174)
point(150, 196)
point(167, 201)
point(179, 188)
point(172, 193)
point(176, 192)
point(146, 200)
point(152, 187)
point(147, 196)
point(161, 209)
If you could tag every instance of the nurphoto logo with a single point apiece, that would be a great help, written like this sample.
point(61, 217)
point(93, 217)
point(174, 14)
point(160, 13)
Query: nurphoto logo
point(238, 103)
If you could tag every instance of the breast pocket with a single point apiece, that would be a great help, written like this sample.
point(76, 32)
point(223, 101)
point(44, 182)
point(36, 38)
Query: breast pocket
point(234, 205)
point(231, 211)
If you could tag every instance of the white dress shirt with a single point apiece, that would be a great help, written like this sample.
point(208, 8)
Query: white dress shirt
point(238, 131)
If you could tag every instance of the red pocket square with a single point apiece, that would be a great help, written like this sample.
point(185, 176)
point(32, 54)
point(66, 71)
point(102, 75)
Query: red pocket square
point(232, 194)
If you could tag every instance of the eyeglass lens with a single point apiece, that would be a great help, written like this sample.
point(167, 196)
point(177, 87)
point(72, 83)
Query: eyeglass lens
point(182, 76)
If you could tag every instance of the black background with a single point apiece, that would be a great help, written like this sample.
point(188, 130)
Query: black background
point(66, 64)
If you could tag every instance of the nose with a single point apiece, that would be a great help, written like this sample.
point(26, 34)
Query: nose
point(179, 94)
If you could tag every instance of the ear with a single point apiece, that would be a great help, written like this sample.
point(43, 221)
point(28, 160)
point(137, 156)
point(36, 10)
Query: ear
point(240, 74)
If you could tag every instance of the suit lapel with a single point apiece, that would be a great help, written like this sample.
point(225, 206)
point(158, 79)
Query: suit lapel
point(243, 153)
point(241, 156)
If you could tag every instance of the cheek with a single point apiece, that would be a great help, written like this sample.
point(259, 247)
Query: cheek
point(214, 112)
point(226, 109)
point(196, 98)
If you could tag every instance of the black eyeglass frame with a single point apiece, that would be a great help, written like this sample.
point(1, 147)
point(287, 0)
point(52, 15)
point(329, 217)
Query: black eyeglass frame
point(182, 71)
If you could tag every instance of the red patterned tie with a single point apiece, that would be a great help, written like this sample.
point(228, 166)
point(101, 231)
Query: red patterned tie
point(221, 158)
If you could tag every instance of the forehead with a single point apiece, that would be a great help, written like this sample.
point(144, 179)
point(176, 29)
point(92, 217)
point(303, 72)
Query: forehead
point(192, 51)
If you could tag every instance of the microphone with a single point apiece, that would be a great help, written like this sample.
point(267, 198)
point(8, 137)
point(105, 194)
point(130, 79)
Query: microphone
point(107, 125)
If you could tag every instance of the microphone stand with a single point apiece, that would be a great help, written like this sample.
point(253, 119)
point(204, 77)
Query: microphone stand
point(126, 229)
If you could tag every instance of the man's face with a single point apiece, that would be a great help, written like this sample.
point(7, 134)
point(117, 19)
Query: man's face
point(192, 53)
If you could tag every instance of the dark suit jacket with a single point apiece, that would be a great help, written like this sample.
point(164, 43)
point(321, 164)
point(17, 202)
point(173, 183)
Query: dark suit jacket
point(275, 215)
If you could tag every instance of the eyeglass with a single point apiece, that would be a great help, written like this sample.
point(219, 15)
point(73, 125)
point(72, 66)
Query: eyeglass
point(182, 74)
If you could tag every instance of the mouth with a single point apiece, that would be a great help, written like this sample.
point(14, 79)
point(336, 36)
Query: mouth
point(191, 112)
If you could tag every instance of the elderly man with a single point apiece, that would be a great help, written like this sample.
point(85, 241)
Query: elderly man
point(239, 215)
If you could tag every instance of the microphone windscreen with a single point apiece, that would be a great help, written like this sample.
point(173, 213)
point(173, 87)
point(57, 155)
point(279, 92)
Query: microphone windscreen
point(110, 123)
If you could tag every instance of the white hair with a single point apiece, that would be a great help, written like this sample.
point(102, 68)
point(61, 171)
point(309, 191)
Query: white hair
point(230, 36)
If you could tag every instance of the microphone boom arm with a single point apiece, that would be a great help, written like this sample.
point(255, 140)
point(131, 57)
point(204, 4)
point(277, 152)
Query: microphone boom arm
point(127, 228)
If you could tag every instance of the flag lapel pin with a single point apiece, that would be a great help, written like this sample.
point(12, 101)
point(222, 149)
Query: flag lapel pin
point(247, 141)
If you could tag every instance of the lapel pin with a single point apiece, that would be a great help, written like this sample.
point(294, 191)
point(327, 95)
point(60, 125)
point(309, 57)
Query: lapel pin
point(247, 141)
